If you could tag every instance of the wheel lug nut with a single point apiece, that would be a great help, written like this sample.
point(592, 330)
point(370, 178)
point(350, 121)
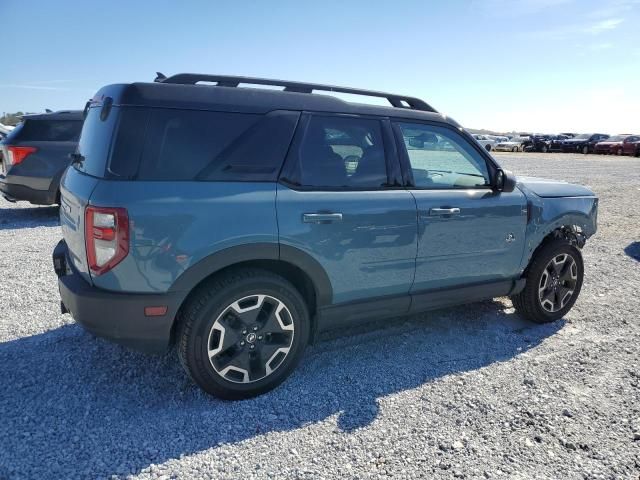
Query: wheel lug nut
point(244, 332)
point(255, 328)
point(242, 343)
point(252, 347)
point(259, 337)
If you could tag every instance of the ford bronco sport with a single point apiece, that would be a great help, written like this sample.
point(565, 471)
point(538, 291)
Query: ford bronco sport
point(237, 222)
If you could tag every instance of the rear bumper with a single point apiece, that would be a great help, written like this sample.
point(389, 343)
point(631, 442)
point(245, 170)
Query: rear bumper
point(16, 191)
point(116, 316)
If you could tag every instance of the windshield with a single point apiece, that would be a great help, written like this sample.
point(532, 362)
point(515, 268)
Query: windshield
point(616, 138)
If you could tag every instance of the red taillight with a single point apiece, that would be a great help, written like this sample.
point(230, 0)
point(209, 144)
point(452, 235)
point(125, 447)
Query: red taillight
point(106, 232)
point(18, 154)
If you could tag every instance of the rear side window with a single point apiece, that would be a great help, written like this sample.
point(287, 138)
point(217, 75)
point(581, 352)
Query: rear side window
point(180, 144)
point(340, 152)
point(159, 144)
point(51, 130)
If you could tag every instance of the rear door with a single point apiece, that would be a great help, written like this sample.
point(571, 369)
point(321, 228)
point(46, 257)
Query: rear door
point(339, 200)
point(467, 233)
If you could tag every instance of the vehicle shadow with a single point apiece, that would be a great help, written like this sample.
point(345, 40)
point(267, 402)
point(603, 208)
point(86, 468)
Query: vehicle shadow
point(29, 217)
point(633, 250)
point(72, 401)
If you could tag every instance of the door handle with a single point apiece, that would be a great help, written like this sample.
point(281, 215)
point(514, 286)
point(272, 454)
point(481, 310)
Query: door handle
point(321, 217)
point(444, 211)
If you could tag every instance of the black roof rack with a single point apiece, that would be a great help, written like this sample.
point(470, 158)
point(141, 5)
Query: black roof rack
point(398, 101)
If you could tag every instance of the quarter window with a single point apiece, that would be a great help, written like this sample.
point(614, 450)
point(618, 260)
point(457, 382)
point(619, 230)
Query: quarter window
point(341, 152)
point(441, 158)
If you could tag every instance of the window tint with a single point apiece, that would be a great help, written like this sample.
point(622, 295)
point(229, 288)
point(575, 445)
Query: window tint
point(441, 158)
point(181, 143)
point(95, 141)
point(51, 130)
point(341, 152)
point(258, 153)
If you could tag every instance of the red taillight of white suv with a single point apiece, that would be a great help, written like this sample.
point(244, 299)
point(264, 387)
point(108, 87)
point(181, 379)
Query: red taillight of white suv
point(106, 233)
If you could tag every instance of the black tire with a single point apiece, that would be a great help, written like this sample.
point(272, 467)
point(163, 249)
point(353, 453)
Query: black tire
point(545, 149)
point(514, 149)
point(585, 149)
point(619, 151)
point(528, 302)
point(205, 309)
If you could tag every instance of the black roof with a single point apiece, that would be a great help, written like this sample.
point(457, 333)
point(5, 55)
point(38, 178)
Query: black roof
point(182, 91)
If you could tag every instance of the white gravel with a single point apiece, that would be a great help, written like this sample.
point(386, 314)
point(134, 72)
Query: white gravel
point(468, 392)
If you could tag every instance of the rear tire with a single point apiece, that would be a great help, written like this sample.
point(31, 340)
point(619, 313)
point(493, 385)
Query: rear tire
point(243, 333)
point(553, 282)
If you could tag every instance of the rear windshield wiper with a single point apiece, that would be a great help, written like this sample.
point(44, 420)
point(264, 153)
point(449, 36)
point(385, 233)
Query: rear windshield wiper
point(76, 158)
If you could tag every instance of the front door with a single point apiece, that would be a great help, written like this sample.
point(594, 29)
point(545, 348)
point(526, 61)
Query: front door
point(336, 203)
point(468, 233)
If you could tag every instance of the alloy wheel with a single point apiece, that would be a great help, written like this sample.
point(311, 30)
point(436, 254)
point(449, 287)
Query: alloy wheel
point(250, 338)
point(558, 282)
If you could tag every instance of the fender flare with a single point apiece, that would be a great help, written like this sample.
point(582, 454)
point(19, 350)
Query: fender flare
point(255, 252)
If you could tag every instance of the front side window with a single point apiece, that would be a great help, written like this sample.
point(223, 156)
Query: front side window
point(441, 158)
point(341, 152)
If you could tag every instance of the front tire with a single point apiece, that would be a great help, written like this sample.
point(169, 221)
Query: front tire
point(243, 333)
point(553, 282)
point(585, 149)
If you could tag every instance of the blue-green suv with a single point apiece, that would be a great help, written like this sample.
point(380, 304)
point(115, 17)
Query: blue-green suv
point(238, 221)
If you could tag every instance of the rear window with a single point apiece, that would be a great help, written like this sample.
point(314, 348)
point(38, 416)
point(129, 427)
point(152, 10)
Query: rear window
point(95, 141)
point(51, 130)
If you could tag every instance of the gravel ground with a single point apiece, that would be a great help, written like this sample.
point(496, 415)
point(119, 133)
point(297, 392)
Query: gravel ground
point(469, 392)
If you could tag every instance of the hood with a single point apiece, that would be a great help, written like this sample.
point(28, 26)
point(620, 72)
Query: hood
point(553, 188)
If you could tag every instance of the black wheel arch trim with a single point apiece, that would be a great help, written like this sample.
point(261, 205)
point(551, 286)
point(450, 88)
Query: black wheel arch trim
point(228, 257)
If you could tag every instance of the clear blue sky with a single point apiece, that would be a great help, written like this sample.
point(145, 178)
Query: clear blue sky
point(542, 65)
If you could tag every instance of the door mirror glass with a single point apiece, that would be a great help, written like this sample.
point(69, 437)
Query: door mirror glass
point(505, 181)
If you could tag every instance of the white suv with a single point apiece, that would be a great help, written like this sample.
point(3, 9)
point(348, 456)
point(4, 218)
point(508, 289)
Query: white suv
point(485, 141)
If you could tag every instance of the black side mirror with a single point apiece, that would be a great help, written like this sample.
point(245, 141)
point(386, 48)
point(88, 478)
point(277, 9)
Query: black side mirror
point(505, 181)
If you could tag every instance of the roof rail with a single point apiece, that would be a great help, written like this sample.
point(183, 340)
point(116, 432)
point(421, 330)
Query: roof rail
point(398, 101)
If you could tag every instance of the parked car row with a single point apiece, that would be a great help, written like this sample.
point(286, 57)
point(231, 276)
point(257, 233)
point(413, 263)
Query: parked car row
point(600, 143)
